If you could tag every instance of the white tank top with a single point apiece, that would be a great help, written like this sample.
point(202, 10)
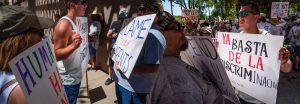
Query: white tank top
point(5, 77)
point(70, 68)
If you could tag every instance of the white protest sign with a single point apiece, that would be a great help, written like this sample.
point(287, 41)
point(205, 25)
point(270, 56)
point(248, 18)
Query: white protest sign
point(83, 50)
point(279, 9)
point(189, 14)
point(251, 62)
point(37, 74)
point(130, 42)
point(202, 55)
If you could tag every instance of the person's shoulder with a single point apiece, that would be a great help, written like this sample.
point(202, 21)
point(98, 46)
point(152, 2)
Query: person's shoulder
point(62, 26)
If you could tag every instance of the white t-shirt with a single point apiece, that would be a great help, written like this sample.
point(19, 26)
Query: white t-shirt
point(5, 77)
point(95, 30)
point(277, 29)
point(264, 25)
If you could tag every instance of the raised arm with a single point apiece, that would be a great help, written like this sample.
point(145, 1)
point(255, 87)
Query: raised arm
point(63, 46)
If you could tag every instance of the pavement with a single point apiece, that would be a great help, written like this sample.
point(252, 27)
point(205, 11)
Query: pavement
point(99, 93)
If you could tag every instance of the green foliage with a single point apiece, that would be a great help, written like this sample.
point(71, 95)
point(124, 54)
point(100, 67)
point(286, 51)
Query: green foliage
point(178, 18)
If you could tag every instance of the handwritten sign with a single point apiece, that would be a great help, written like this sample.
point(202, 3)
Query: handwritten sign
point(279, 9)
point(251, 62)
point(83, 52)
point(190, 14)
point(130, 42)
point(202, 55)
point(36, 71)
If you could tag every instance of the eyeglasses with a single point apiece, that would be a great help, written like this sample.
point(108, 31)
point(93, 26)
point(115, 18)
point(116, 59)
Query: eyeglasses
point(245, 13)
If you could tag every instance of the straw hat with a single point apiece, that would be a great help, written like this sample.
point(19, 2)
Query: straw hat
point(95, 12)
point(274, 21)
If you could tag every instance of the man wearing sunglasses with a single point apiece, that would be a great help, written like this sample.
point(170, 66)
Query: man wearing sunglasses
point(248, 18)
point(66, 42)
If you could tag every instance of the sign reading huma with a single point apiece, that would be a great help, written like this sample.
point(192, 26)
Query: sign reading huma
point(37, 74)
point(251, 62)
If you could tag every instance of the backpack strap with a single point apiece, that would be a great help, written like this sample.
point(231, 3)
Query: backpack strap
point(7, 85)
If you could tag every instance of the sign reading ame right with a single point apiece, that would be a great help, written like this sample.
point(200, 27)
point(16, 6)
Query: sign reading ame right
point(130, 42)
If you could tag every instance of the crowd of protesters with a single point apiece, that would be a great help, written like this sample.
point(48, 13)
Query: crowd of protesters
point(155, 75)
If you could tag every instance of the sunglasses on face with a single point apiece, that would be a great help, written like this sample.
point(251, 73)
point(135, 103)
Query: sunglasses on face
point(245, 13)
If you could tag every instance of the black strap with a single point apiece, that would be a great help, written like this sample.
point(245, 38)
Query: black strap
point(7, 85)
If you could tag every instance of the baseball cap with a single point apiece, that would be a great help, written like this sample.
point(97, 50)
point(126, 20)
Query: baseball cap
point(15, 20)
point(152, 6)
point(123, 13)
point(165, 20)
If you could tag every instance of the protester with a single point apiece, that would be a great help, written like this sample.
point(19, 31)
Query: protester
point(135, 89)
point(263, 24)
point(206, 31)
point(248, 16)
point(94, 34)
point(17, 24)
point(112, 33)
point(66, 42)
point(178, 82)
point(277, 27)
point(236, 28)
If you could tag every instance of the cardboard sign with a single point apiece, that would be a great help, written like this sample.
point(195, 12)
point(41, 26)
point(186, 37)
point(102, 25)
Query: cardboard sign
point(83, 52)
point(279, 9)
point(37, 74)
point(251, 62)
point(130, 42)
point(201, 54)
point(190, 14)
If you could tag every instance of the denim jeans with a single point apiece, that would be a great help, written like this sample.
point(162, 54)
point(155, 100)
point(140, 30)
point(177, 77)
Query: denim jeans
point(72, 92)
point(125, 96)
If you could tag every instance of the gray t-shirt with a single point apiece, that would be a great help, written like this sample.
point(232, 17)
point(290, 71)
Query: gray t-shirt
point(180, 83)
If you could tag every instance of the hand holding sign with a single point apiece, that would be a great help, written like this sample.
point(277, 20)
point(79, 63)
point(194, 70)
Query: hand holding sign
point(76, 40)
point(284, 57)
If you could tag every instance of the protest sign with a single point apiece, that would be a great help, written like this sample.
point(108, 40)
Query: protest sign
point(251, 62)
point(190, 14)
point(202, 55)
point(130, 42)
point(83, 52)
point(279, 9)
point(37, 74)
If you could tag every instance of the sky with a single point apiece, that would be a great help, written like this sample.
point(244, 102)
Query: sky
point(176, 8)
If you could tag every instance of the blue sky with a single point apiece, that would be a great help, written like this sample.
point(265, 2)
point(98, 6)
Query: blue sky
point(176, 8)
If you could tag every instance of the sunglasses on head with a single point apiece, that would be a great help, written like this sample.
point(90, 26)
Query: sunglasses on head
point(245, 13)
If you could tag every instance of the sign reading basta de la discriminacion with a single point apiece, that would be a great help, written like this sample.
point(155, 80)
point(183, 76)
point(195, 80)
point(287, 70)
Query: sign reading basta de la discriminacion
point(202, 55)
point(36, 71)
point(130, 42)
point(252, 64)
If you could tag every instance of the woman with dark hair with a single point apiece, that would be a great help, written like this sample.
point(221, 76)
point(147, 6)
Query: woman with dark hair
point(17, 25)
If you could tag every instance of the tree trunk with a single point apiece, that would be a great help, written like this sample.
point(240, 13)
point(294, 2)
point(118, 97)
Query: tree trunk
point(171, 7)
